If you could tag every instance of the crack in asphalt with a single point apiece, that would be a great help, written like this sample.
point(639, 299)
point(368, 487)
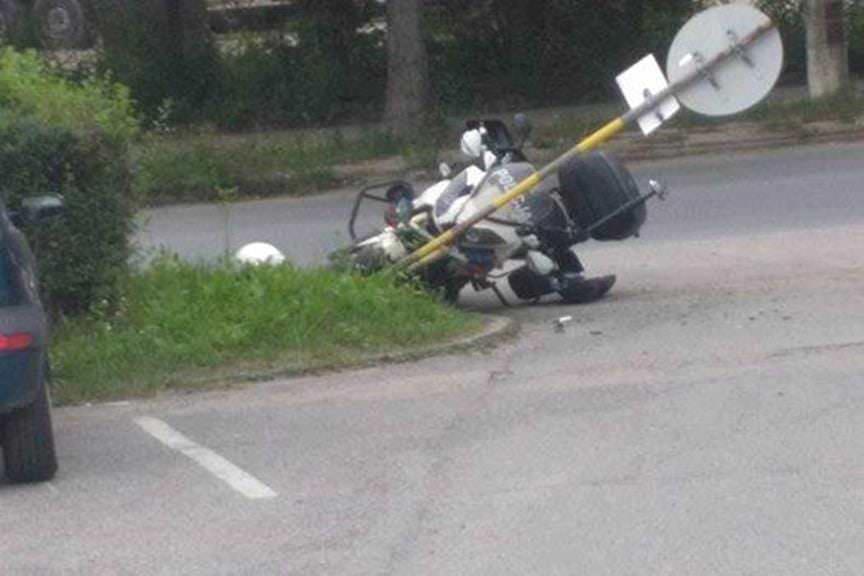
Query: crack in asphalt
point(461, 428)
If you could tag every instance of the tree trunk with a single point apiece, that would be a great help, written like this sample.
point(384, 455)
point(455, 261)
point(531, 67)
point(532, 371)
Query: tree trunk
point(408, 91)
point(827, 48)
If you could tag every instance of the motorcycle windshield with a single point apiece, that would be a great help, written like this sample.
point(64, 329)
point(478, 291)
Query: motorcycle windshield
point(457, 188)
point(528, 209)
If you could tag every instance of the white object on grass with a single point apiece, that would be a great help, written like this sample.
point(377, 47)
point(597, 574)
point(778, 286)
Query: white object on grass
point(258, 253)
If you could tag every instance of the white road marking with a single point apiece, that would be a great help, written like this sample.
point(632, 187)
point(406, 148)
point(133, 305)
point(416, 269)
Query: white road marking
point(236, 478)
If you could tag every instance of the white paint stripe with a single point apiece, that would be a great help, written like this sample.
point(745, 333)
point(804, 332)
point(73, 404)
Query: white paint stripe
point(236, 478)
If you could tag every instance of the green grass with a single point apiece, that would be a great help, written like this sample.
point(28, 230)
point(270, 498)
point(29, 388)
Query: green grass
point(772, 115)
point(195, 167)
point(569, 128)
point(183, 324)
point(792, 114)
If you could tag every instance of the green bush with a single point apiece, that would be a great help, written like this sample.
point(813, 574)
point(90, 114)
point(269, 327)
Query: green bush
point(271, 83)
point(29, 88)
point(179, 319)
point(145, 47)
point(328, 73)
point(509, 53)
point(57, 137)
point(245, 81)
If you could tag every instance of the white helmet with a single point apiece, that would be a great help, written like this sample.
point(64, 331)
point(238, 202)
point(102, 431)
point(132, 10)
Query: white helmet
point(472, 143)
point(259, 253)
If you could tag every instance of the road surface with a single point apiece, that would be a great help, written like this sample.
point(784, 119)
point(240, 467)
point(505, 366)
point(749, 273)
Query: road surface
point(710, 196)
point(707, 418)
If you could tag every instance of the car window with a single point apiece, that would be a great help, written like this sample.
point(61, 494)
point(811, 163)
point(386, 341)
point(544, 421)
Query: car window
point(7, 284)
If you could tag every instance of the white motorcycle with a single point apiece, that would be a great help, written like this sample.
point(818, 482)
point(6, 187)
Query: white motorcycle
point(592, 197)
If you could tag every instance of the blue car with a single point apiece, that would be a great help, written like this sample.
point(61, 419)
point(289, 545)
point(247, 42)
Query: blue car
point(26, 432)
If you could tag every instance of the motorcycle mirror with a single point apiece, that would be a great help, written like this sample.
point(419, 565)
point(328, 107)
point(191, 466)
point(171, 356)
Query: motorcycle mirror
point(523, 127)
point(39, 208)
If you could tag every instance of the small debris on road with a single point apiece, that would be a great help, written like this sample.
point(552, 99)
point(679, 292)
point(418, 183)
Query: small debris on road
point(560, 323)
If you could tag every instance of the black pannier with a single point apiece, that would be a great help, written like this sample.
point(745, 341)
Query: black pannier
point(593, 186)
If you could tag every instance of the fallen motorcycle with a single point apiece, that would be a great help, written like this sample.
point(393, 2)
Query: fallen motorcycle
point(529, 242)
point(468, 228)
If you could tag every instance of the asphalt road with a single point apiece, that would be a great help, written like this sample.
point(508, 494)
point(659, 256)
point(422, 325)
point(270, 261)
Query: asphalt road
point(705, 419)
point(710, 196)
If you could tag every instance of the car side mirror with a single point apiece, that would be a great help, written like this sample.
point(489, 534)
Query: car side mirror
point(37, 209)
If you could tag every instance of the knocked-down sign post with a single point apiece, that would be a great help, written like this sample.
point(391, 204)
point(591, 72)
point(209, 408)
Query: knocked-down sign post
point(723, 61)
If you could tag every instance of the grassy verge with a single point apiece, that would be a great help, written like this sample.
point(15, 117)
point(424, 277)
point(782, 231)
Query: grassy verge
point(183, 324)
point(196, 167)
point(200, 167)
point(792, 114)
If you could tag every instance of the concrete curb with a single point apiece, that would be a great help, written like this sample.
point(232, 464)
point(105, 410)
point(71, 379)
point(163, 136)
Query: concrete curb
point(497, 329)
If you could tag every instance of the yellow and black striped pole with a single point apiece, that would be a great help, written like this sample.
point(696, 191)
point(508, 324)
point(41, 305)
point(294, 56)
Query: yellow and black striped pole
point(437, 247)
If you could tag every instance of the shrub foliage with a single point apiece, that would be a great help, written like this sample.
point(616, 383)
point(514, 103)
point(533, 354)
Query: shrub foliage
point(58, 137)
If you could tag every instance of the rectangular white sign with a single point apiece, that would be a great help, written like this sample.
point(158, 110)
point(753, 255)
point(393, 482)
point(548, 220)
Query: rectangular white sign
point(640, 82)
